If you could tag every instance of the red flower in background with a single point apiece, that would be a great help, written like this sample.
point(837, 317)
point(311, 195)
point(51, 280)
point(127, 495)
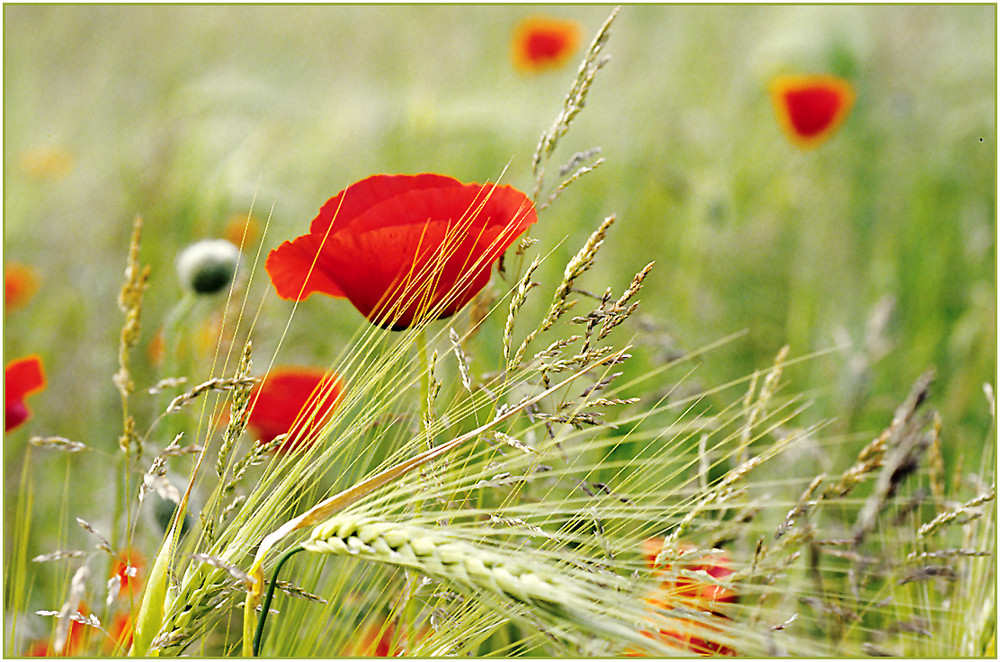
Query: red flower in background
point(76, 639)
point(296, 400)
point(378, 638)
point(20, 282)
point(811, 108)
point(541, 42)
point(128, 567)
point(21, 378)
point(688, 593)
point(39, 648)
point(121, 634)
point(403, 248)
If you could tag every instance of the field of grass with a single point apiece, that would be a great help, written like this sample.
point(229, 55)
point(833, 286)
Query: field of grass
point(873, 257)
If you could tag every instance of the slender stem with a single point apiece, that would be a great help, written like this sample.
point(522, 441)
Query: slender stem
point(425, 382)
point(248, 629)
point(258, 636)
point(171, 338)
point(407, 615)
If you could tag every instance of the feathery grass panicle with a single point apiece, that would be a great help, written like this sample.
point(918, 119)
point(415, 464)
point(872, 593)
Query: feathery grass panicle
point(573, 103)
point(905, 448)
point(165, 384)
point(963, 514)
point(214, 384)
point(239, 411)
point(461, 359)
point(77, 589)
point(935, 461)
point(517, 300)
point(253, 457)
point(766, 391)
point(563, 185)
point(872, 456)
point(158, 467)
point(575, 268)
point(58, 443)
point(102, 542)
point(130, 303)
point(59, 555)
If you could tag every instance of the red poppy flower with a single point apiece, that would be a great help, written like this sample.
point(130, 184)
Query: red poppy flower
point(128, 567)
point(294, 400)
point(121, 634)
point(811, 108)
point(403, 248)
point(21, 378)
point(39, 648)
point(541, 42)
point(691, 594)
point(378, 638)
point(20, 282)
point(699, 595)
point(75, 640)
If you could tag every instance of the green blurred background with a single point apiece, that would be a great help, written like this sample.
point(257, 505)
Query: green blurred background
point(881, 243)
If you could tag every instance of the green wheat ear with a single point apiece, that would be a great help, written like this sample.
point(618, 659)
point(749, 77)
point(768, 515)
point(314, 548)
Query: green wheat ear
point(518, 575)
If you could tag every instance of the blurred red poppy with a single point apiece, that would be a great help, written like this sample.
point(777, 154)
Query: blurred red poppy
point(75, 640)
point(541, 42)
point(21, 378)
point(378, 638)
point(811, 108)
point(20, 282)
point(294, 400)
point(120, 630)
point(691, 594)
point(403, 248)
point(39, 648)
point(128, 566)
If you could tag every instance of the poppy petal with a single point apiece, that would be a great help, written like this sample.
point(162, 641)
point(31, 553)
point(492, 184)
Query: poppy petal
point(437, 258)
point(21, 378)
point(292, 267)
point(294, 400)
point(688, 592)
point(361, 196)
point(403, 248)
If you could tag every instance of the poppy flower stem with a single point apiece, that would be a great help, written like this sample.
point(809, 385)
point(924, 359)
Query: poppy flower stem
point(172, 332)
point(265, 606)
point(171, 339)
